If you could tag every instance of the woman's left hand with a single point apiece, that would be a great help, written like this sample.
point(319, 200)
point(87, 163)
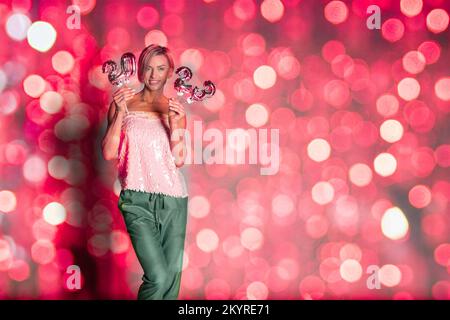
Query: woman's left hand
point(176, 110)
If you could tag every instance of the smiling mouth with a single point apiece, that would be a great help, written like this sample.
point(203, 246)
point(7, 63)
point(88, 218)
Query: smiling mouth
point(154, 81)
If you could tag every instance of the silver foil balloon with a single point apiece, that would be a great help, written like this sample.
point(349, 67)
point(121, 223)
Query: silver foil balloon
point(127, 69)
point(193, 94)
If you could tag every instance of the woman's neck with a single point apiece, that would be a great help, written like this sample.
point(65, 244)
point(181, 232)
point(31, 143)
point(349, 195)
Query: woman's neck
point(151, 96)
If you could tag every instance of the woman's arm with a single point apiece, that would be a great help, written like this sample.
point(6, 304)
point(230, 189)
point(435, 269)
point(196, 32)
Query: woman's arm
point(177, 123)
point(111, 140)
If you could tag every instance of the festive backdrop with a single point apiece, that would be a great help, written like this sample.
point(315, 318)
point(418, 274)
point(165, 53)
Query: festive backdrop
point(352, 98)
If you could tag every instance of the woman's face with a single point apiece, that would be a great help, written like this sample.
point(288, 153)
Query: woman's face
point(156, 72)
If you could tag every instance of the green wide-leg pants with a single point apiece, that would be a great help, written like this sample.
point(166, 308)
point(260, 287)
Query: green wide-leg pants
point(156, 224)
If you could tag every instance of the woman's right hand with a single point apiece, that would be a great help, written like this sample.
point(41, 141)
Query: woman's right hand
point(121, 96)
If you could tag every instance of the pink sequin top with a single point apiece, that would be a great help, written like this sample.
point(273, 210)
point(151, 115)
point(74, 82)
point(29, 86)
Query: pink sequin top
point(146, 162)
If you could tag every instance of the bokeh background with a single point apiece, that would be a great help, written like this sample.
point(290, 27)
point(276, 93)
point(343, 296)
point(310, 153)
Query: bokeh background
point(363, 117)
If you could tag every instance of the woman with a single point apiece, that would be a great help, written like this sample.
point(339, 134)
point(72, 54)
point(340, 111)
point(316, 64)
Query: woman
point(154, 198)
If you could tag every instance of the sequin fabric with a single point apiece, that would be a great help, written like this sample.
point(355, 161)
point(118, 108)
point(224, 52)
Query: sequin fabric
point(145, 161)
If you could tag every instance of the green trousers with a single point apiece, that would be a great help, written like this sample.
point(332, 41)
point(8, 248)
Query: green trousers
point(156, 224)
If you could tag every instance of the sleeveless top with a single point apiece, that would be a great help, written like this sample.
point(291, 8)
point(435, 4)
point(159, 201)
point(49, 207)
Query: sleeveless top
point(145, 161)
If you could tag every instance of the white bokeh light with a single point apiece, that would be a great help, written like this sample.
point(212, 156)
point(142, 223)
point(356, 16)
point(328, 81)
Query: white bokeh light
point(41, 36)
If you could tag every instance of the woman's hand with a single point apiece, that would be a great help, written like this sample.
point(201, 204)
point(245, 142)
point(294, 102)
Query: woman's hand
point(121, 96)
point(176, 111)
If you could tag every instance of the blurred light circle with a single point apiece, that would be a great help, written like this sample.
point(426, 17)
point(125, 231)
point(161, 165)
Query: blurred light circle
point(34, 85)
point(244, 9)
point(43, 251)
point(385, 164)
point(411, 8)
point(3, 80)
point(72, 127)
point(322, 193)
point(119, 241)
point(336, 93)
point(414, 62)
point(330, 270)
point(272, 10)
point(437, 20)
point(350, 270)
point(58, 167)
point(199, 207)
point(431, 50)
point(264, 77)
point(9, 101)
point(442, 88)
point(434, 225)
point(34, 169)
point(118, 38)
point(232, 247)
point(98, 245)
point(156, 37)
point(332, 49)
point(19, 270)
point(193, 278)
point(257, 290)
point(442, 154)
point(350, 251)
point(20, 5)
point(394, 224)
point(288, 67)
point(316, 226)
point(419, 196)
point(387, 105)
point(342, 64)
point(54, 213)
point(408, 89)
point(217, 289)
point(97, 78)
point(390, 275)
point(8, 201)
point(17, 26)
point(63, 62)
point(422, 161)
point(51, 102)
point(256, 115)
point(41, 36)
point(319, 149)
point(251, 238)
point(302, 99)
point(392, 30)
point(207, 240)
point(16, 152)
point(391, 130)
point(442, 254)
point(360, 174)
point(85, 6)
point(5, 250)
point(441, 290)
point(420, 117)
point(42, 230)
point(147, 17)
point(312, 288)
point(282, 205)
point(291, 268)
point(253, 45)
point(336, 12)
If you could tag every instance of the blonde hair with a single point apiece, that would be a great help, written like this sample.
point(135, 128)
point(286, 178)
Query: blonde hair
point(147, 53)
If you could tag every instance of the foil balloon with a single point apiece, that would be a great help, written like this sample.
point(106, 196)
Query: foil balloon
point(127, 69)
point(193, 94)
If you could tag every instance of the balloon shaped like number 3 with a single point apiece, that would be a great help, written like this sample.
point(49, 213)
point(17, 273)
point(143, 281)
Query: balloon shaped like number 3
point(194, 94)
point(120, 77)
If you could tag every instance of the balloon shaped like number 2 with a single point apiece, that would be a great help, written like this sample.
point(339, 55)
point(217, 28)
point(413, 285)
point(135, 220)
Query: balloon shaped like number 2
point(194, 94)
point(120, 77)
